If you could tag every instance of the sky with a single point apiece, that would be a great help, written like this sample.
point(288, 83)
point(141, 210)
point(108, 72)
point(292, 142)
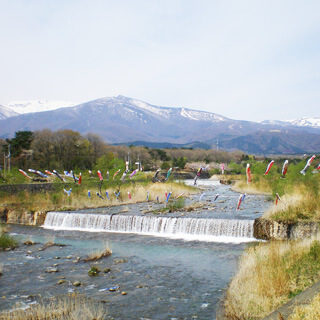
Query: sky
point(247, 60)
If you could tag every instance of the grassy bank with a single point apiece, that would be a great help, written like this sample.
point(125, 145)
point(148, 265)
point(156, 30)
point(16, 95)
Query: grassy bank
point(131, 191)
point(69, 307)
point(6, 241)
point(269, 275)
point(298, 193)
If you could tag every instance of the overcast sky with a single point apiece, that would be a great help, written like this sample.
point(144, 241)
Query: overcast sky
point(249, 60)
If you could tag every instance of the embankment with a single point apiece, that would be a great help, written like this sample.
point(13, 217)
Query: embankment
point(29, 218)
point(272, 230)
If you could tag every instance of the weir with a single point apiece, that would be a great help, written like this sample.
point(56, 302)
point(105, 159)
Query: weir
point(186, 228)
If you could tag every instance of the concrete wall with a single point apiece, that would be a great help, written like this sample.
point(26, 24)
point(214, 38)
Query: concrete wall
point(271, 230)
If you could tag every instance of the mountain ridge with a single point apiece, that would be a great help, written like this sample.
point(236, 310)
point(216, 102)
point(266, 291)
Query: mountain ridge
point(121, 120)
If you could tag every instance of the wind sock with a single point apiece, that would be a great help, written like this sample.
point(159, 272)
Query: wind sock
point(168, 196)
point(89, 193)
point(216, 197)
point(180, 195)
point(168, 174)
point(248, 172)
point(243, 197)
point(24, 173)
point(107, 175)
point(100, 175)
point(67, 174)
point(74, 178)
point(38, 173)
point(157, 199)
point(117, 194)
point(278, 198)
point(115, 174)
point(107, 195)
point(303, 171)
point(80, 178)
point(156, 175)
point(98, 194)
point(124, 175)
point(147, 195)
point(239, 201)
point(199, 171)
point(269, 167)
point(284, 169)
point(132, 174)
point(202, 196)
point(90, 172)
point(58, 175)
point(48, 172)
point(67, 192)
point(222, 168)
point(129, 195)
point(197, 176)
point(318, 167)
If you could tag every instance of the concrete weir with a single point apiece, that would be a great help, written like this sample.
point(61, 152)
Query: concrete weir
point(272, 230)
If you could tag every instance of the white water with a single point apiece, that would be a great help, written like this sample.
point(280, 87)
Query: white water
point(213, 230)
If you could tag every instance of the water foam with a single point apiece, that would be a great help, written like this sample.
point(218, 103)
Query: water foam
point(212, 230)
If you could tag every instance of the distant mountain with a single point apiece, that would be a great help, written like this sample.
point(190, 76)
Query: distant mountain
point(125, 120)
point(281, 142)
point(6, 113)
point(22, 107)
point(167, 145)
point(302, 122)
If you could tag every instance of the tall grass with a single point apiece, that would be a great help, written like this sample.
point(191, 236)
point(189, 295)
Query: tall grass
point(307, 312)
point(6, 241)
point(269, 275)
point(78, 199)
point(299, 193)
point(70, 307)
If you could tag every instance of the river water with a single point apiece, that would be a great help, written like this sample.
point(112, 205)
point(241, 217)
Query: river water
point(167, 272)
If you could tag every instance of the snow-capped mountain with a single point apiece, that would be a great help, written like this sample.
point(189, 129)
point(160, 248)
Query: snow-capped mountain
point(6, 113)
point(125, 120)
point(301, 122)
point(22, 107)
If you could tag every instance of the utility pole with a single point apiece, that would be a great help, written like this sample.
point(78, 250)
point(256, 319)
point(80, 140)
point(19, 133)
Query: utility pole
point(9, 157)
point(217, 144)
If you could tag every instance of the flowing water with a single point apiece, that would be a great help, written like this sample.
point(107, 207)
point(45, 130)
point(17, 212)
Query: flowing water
point(173, 266)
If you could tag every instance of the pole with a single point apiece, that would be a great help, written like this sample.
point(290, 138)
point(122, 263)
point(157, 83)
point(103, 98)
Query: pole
point(9, 157)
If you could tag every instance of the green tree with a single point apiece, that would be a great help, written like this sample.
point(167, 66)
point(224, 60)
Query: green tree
point(21, 141)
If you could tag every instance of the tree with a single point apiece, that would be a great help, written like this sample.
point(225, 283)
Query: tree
point(21, 141)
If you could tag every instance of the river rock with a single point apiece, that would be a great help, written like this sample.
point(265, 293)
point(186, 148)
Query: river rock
point(61, 281)
point(76, 283)
point(51, 270)
point(123, 293)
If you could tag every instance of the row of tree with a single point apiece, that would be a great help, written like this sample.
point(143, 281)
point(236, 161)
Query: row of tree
point(68, 149)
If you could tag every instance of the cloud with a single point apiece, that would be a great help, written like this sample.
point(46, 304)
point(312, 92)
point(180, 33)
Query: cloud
point(242, 59)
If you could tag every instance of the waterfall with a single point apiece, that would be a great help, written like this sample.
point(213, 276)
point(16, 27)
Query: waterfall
point(185, 228)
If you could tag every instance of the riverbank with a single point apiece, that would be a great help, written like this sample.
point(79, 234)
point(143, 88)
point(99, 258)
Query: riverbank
point(30, 207)
point(274, 272)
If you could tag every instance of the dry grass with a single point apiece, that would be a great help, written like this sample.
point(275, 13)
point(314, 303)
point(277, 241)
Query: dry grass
point(80, 200)
point(99, 254)
point(300, 205)
point(241, 186)
point(269, 275)
point(307, 312)
point(75, 307)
